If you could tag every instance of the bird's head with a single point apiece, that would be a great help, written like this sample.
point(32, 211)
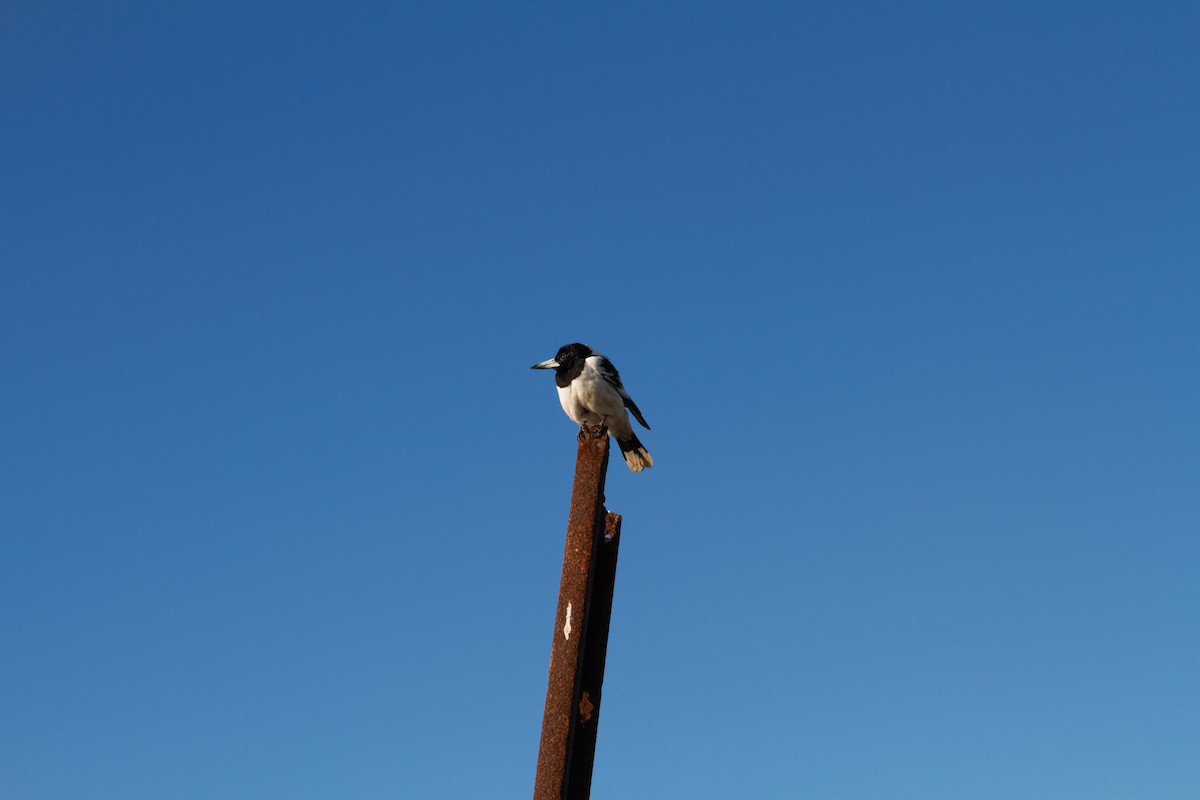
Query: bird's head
point(566, 357)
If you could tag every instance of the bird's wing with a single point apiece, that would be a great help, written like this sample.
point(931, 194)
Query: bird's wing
point(607, 371)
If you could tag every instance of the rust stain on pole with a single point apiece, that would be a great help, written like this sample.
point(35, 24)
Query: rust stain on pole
point(581, 623)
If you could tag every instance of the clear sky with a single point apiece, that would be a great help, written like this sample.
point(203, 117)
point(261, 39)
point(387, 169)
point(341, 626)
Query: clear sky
point(908, 292)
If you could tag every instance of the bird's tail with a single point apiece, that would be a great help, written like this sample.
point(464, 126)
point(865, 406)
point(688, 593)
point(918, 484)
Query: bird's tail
point(636, 455)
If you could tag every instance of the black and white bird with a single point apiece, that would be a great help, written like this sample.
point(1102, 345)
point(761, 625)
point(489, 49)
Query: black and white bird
point(591, 393)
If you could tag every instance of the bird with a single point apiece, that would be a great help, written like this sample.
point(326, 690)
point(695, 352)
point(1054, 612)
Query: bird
point(590, 391)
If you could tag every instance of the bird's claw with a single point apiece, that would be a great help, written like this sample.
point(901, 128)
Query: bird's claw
point(587, 431)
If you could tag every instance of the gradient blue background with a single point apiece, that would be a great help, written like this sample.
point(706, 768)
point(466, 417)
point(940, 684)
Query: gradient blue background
point(908, 292)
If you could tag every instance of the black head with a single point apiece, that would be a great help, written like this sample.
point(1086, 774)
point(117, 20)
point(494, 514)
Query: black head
point(568, 354)
point(567, 357)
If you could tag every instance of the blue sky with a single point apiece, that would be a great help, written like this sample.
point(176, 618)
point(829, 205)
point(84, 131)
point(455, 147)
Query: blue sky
point(908, 292)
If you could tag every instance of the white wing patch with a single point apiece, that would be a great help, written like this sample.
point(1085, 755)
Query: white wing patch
point(608, 372)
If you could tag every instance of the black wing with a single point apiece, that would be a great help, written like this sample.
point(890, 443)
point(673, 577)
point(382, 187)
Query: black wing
point(610, 374)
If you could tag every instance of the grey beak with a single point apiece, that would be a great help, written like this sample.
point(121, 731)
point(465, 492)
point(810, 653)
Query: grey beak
point(551, 364)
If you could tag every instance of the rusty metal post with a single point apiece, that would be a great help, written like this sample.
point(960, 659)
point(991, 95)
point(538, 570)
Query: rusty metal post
point(595, 645)
point(577, 653)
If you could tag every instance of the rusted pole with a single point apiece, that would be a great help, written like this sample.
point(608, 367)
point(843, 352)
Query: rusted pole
point(568, 745)
point(595, 646)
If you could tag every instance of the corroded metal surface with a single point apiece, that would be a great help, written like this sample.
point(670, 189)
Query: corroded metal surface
point(580, 631)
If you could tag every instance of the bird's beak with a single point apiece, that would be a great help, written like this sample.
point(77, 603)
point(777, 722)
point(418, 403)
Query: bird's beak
point(551, 364)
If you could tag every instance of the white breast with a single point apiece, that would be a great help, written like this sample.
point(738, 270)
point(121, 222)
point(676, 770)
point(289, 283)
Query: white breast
point(592, 399)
